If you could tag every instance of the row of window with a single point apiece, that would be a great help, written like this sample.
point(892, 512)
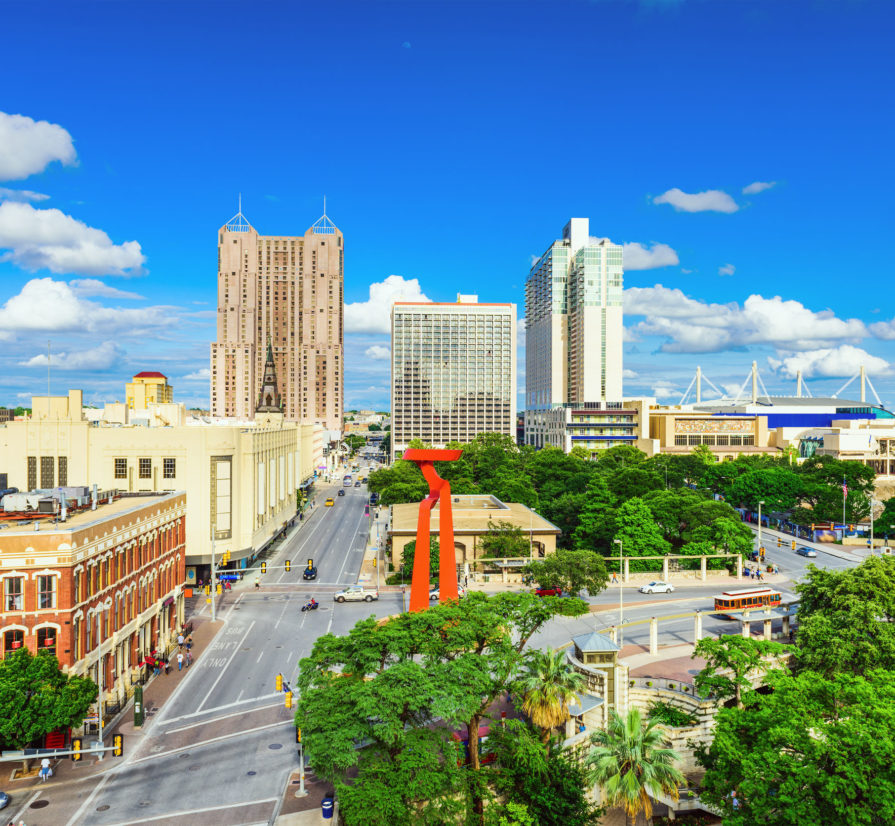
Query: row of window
point(144, 468)
point(723, 440)
point(14, 592)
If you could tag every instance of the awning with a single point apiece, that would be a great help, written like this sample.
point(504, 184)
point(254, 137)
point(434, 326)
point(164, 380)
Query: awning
point(167, 602)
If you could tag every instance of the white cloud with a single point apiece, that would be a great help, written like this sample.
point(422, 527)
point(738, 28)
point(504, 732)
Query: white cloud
point(758, 186)
point(101, 357)
point(727, 269)
point(883, 329)
point(830, 362)
point(640, 257)
point(88, 287)
point(22, 195)
point(691, 326)
point(48, 238)
point(731, 388)
point(28, 146)
point(629, 374)
point(202, 374)
point(377, 352)
point(374, 315)
point(662, 390)
point(712, 200)
point(47, 305)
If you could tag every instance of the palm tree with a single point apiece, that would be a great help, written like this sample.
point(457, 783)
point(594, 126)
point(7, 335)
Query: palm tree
point(629, 760)
point(548, 686)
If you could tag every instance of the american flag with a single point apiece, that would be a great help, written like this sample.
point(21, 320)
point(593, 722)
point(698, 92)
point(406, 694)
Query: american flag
point(844, 487)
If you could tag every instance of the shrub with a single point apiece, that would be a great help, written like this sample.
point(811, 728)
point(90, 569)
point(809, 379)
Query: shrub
point(670, 715)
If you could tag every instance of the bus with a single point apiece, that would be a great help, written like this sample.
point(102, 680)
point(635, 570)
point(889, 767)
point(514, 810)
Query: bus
point(747, 598)
point(347, 481)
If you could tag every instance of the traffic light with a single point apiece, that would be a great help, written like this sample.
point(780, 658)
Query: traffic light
point(288, 699)
point(279, 682)
point(263, 567)
point(310, 564)
point(76, 748)
point(118, 745)
point(288, 565)
point(219, 589)
point(793, 544)
point(207, 589)
point(779, 542)
point(298, 734)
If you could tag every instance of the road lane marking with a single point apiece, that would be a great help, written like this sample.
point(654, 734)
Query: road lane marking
point(356, 532)
point(188, 812)
point(198, 744)
point(285, 606)
point(224, 669)
point(28, 802)
point(227, 705)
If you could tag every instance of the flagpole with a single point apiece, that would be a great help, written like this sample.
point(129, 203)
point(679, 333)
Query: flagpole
point(844, 495)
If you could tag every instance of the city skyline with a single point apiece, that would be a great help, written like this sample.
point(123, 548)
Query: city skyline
point(749, 205)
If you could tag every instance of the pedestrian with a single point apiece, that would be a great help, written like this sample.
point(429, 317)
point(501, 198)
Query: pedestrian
point(180, 640)
point(180, 661)
point(167, 667)
point(189, 644)
point(257, 582)
point(44, 770)
point(189, 658)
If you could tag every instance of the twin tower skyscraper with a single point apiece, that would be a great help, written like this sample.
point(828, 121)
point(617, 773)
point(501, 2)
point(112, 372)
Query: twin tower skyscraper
point(285, 292)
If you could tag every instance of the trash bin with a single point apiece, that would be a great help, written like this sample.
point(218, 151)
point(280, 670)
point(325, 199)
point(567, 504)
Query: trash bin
point(187, 592)
point(326, 807)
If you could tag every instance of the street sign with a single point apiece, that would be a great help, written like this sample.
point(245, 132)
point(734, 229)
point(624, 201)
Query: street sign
point(229, 577)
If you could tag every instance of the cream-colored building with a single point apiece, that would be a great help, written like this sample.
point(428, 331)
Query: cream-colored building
point(678, 430)
point(148, 387)
point(285, 290)
point(240, 476)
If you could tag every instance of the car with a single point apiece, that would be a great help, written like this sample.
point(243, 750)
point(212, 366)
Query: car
point(374, 498)
point(341, 491)
point(356, 593)
point(357, 483)
point(330, 502)
point(4, 800)
point(433, 594)
point(548, 592)
point(809, 552)
point(657, 588)
point(309, 573)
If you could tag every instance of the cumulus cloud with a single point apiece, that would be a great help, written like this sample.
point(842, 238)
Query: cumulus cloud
point(49, 239)
point(28, 146)
point(53, 306)
point(377, 352)
point(629, 374)
point(727, 269)
point(692, 326)
point(202, 374)
point(90, 287)
point(23, 195)
point(102, 357)
point(649, 257)
point(758, 186)
point(830, 362)
point(663, 389)
point(374, 315)
point(883, 329)
point(712, 200)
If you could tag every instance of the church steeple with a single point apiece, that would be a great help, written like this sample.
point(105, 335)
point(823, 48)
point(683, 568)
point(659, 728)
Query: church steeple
point(269, 397)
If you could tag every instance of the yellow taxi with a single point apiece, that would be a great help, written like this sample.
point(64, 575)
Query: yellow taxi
point(330, 502)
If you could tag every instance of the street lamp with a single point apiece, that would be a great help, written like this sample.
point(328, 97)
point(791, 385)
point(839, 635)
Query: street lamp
point(760, 503)
point(621, 590)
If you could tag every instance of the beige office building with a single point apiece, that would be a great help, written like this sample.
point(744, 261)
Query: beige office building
point(148, 387)
point(453, 371)
point(240, 476)
point(286, 290)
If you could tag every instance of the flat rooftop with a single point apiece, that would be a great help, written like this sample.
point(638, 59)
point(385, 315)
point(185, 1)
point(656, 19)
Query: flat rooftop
point(471, 515)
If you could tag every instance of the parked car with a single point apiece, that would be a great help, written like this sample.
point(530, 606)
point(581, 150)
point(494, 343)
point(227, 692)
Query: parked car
point(657, 588)
point(803, 551)
point(4, 800)
point(357, 483)
point(548, 592)
point(356, 593)
point(374, 498)
point(433, 594)
point(309, 573)
point(330, 502)
point(341, 491)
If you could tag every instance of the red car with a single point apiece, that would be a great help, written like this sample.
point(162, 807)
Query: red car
point(548, 592)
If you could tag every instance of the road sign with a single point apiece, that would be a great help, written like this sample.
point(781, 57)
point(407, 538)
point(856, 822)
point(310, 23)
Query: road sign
point(229, 577)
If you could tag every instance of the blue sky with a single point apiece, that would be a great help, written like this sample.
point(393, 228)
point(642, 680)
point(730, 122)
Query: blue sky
point(452, 141)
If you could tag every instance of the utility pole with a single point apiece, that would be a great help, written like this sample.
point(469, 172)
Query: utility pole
point(760, 503)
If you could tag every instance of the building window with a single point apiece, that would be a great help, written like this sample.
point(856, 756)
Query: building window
point(121, 468)
point(145, 468)
point(12, 640)
point(46, 472)
point(62, 475)
point(46, 640)
point(170, 468)
point(46, 592)
point(680, 440)
point(12, 594)
point(79, 584)
point(32, 472)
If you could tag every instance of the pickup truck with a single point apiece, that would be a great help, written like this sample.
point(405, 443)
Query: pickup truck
point(356, 593)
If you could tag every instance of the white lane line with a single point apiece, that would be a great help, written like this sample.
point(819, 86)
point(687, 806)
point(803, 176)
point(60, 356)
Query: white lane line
point(283, 612)
point(356, 532)
point(188, 812)
point(225, 716)
point(239, 696)
point(259, 657)
point(208, 742)
point(28, 802)
point(330, 623)
point(226, 666)
point(299, 549)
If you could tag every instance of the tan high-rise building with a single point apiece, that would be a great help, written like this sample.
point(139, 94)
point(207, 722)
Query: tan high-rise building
point(285, 290)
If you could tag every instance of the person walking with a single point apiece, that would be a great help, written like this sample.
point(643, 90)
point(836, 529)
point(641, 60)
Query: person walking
point(180, 661)
point(180, 640)
point(189, 658)
point(44, 770)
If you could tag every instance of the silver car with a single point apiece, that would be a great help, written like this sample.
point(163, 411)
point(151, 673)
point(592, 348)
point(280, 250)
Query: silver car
point(356, 593)
point(809, 552)
point(657, 588)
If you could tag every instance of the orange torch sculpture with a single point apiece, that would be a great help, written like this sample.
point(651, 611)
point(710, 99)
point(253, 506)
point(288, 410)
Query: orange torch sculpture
point(439, 489)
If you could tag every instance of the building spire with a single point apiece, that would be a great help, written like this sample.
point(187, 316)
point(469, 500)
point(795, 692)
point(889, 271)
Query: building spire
point(269, 398)
point(238, 222)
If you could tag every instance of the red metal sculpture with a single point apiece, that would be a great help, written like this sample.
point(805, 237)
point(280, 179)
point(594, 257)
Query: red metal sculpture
point(439, 489)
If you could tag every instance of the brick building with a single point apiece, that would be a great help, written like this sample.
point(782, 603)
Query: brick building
point(103, 583)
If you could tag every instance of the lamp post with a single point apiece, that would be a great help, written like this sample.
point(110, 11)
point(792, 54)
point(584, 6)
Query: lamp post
point(101, 677)
point(872, 503)
point(621, 590)
point(760, 503)
point(214, 585)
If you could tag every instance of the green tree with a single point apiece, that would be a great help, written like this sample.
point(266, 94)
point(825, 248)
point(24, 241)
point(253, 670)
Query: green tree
point(615, 458)
point(634, 480)
point(374, 428)
point(504, 539)
point(814, 750)
point(638, 531)
point(732, 662)
point(354, 442)
point(386, 444)
point(780, 488)
point(629, 761)
point(884, 524)
point(548, 687)
point(510, 486)
point(670, 508)
point(596, 525)
point(564, 511)
point(571, 570)
point(409, 553)
point(36, 698)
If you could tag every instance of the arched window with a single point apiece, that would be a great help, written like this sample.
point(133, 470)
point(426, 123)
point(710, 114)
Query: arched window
point(46, 640)
point(13, 640)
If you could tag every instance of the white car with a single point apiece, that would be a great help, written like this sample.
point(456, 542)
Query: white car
point(356, 593)
point(433, 594)
point(657, 588)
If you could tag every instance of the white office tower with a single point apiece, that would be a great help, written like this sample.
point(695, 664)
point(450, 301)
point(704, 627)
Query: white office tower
point(573, 324)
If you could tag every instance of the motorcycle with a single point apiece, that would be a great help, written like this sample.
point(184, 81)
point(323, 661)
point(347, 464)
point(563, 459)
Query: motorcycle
point(310, 606)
